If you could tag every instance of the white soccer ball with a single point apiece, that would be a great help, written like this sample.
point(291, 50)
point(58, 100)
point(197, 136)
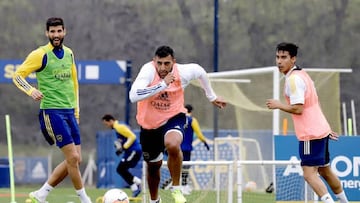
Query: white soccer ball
point(115, 196)
point(250, 186)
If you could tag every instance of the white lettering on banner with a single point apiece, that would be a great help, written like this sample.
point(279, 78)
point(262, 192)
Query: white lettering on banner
point(352, 184)
point(293, 168)
point(9, 70)
point(38, 171)
point(350, 166)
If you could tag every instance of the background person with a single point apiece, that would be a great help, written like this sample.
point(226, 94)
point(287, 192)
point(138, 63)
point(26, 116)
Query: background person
point(187, 148)
point(128, 144)
point(193, 127)
point(58, 93)
point(311, 127)
point(159, 92)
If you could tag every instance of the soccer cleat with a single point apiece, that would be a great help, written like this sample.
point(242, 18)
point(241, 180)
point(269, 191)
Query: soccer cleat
point(178, 196)
point(186, 189)
point(135, 193)
point(35, 198)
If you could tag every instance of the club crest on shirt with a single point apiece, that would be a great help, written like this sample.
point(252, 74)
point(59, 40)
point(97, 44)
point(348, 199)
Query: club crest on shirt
point(59, 138)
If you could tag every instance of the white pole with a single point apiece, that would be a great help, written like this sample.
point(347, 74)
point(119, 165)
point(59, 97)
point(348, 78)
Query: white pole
point(217, 184)
point(316, 198)
point(353, 114)
point(270, 69)
point(276, 117)
point(239, 182)
point(344, 118)
point(243, 71)
point(230, 183)
point(144, 185)
point(276, 95)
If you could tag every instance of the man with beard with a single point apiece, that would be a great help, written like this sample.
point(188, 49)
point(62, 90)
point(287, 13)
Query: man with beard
point(58, 94)
point(159, 92)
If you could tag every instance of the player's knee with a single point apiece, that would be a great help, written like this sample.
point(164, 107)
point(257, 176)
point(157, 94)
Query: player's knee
point(327, 173)
point(172, 147)
point(173, 141)
point(307, 176)
point(73, 159)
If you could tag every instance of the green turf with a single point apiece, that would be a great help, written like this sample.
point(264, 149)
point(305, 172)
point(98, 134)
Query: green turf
point(58, 195)
point(67, 194)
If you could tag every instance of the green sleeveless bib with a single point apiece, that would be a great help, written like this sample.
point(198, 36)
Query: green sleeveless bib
point(55, 81)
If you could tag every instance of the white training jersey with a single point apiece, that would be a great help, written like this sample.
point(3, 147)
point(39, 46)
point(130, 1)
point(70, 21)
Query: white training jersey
point(140, 88)
point(295, 88)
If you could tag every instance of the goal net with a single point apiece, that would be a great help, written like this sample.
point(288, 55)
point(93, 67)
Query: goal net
point(248, 118)
point(209, 181)
point(246, 92)
point(223, 182)
point(259, 179)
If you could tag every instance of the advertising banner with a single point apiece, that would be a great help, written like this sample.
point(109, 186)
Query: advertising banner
point(89, 72)
point(345, 162)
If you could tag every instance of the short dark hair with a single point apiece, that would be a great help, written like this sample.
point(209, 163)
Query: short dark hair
point(286, 46)
point(54, 21)
point(164, 51)
point(189, 108)
point(108, 117)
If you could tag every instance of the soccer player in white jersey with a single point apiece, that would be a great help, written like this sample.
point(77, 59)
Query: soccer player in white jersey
point(159, 92)
point(311, 127)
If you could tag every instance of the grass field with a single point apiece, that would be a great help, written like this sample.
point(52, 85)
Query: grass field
point(67, 195)
point(58, 195)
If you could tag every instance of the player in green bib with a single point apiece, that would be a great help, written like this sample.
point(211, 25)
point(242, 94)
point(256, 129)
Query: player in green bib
point(58, 93)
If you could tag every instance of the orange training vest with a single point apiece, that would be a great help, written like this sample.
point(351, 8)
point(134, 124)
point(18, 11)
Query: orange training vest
point(311, 124)
point(156, 110)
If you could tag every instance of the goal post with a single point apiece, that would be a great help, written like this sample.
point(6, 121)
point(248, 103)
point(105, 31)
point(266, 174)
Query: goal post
point(210, 180)
point(246, 91)
point(223, 182)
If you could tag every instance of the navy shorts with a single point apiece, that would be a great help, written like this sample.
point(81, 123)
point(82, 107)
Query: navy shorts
point(314, 152)
point(152, 141)
point(59, 126)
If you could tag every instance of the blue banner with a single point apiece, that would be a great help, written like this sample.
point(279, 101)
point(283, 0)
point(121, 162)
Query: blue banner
point(89, 72)
point(30, 170)
point(345, 162)
point(27, 170)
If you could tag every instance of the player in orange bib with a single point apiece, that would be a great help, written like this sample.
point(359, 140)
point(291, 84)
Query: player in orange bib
point(311, 127)
point(159, 92)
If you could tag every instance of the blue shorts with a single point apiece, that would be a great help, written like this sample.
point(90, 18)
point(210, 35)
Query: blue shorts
point(60, 126)
point(152, 141)
point(314, 152)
